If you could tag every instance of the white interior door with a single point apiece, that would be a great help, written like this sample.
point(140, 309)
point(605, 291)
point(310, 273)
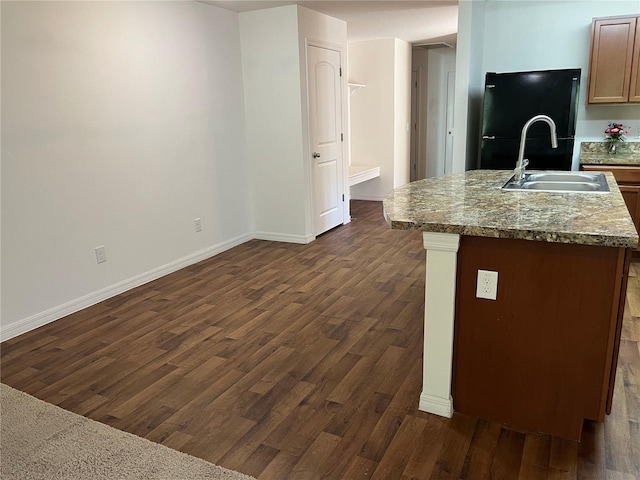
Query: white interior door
point(325, 124)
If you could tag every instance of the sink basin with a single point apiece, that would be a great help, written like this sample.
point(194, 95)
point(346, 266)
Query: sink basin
point(563, 186)
point(563, 177)
point(560, 182)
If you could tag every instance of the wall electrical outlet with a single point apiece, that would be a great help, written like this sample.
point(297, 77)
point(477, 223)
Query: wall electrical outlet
point(101, 254)
point(198, 225)
point(487, 286)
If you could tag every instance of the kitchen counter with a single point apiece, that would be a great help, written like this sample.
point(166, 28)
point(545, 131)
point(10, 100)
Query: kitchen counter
point(472, 203)
point(533, 342)
point(595, 153)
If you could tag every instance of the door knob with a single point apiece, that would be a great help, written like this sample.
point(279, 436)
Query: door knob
point(316, 155)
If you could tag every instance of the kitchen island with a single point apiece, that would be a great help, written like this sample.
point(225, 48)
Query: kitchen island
point(542, 356)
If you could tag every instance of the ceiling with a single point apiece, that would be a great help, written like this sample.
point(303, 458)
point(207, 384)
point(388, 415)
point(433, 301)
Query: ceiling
point(417, 21)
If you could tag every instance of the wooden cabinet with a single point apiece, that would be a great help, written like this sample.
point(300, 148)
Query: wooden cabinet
point(614, 61)
point(542, 357)
point(631, 195)
point(628, 178)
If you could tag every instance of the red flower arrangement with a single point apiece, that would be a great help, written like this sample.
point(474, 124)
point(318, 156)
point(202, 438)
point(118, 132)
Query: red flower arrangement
point(616, 132)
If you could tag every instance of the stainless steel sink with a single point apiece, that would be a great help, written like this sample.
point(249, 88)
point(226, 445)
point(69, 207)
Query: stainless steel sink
point(564, 177)
point(562, 182)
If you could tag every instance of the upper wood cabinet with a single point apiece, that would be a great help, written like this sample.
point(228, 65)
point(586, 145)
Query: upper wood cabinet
point(615, 58)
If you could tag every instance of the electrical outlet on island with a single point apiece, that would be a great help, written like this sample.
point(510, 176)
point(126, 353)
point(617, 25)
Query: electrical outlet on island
point(487, 285)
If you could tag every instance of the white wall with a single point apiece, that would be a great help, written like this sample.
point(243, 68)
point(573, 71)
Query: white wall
point(380, 113)
point(511, 39)
point(402, 113)
point(121, 123)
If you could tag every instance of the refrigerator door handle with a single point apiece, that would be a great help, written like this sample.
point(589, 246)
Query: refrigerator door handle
point(574, 98)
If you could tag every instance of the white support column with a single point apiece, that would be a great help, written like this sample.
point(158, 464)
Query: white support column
point(439, 311)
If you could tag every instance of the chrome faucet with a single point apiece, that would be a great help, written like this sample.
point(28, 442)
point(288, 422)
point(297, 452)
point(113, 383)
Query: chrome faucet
point(523, 162)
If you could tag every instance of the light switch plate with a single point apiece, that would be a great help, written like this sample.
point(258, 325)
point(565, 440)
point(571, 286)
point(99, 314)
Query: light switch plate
point(101, 254)
point(487, 285)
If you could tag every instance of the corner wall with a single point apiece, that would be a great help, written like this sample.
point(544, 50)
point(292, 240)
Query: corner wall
point(273, 105)
point(402, 113)
point(469, 84)
point(322, 30)
point(275, 87)
point(122, 122)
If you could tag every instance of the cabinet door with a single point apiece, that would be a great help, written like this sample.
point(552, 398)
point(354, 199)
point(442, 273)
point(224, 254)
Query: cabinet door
point(611, 58)
point(634, 92)
point(631, 195)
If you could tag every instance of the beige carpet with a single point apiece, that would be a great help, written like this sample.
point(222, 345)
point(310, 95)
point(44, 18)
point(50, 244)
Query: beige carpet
point(42, 441)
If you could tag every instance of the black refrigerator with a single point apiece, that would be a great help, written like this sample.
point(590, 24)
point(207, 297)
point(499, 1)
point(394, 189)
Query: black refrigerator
point(510, 99)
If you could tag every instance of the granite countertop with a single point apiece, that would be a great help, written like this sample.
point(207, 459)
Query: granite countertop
point(472, 203)
point(596, 153)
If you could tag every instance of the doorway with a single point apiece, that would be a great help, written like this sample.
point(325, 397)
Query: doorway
point(435, 93)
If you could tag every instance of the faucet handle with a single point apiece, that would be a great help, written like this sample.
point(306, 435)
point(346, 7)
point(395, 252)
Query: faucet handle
point(519, 170)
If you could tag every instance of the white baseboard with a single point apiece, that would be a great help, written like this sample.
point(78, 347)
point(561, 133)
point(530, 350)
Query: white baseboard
point(436, 405)
point(283, 237)
point(374, 198)
point(30, 323)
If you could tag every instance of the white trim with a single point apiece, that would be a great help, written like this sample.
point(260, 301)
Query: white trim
point(370, 198)
point(439, 315)
point(444, 242)
point(39, 319)
point(43, 318)
point(284, 237)
point(362, 173)
point(436, 405)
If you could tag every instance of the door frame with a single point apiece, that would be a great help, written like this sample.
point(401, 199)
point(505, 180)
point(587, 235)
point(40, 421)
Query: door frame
point(307, 161)
point(448, 123)
point(414, 146)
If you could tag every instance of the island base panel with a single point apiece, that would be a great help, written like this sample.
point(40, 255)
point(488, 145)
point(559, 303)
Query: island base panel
point(538, 358)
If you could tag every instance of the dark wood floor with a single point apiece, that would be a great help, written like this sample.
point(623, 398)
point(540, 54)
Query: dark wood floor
point(302, 362)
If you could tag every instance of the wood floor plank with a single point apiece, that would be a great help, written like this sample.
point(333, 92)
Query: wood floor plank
point(482, 450)
point(397, 455)
point(360, 469)
point(315, 456)
point(508, 455)
point(302, 362)
point(617, 434)
point(456, 443)
point(428, 447)
point(563, 462)
point(535, 457)
point(591, 452)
